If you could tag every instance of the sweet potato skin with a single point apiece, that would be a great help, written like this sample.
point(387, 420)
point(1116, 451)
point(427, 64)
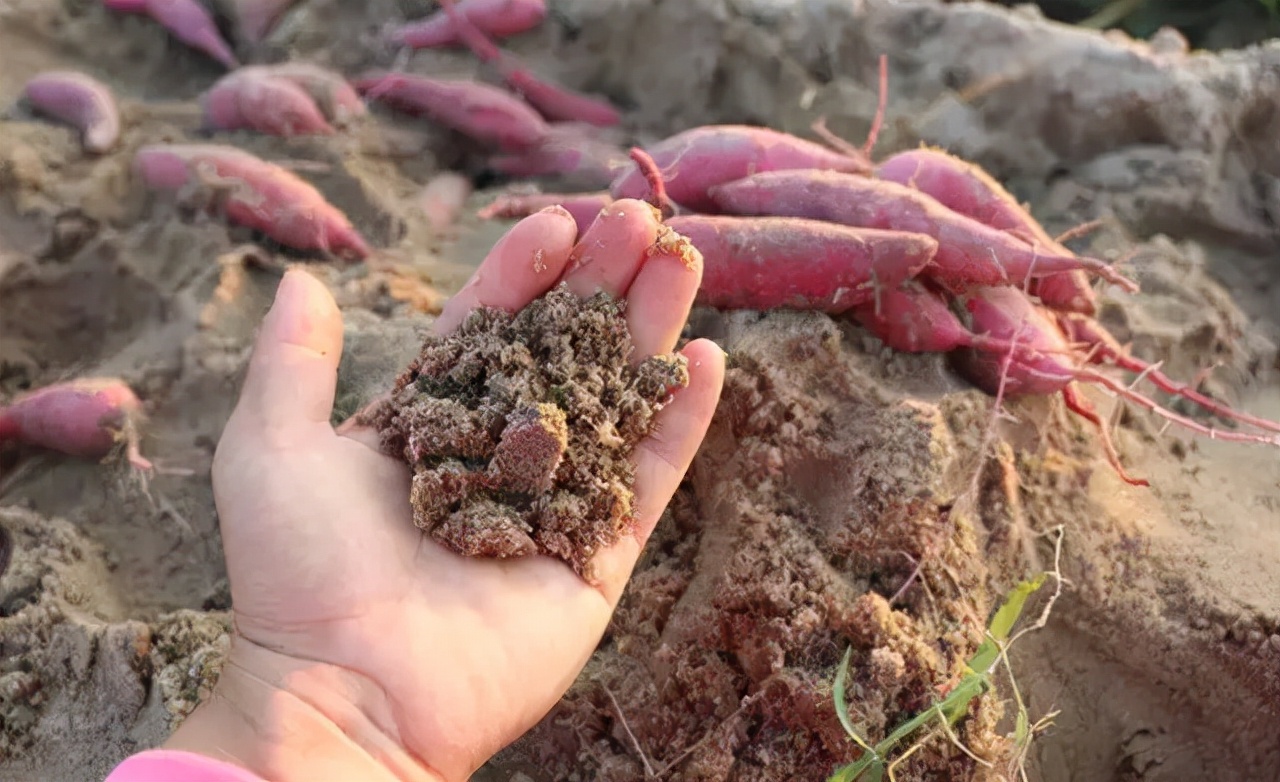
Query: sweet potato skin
point(254, 193)
point(767, 262)
point(86, 418)
point(497, 18)
point(253, 98)
point(695, 160)
point(969, 253)
point(480, 111)
point(79, 100)
point(966, 188)
point(186, 20)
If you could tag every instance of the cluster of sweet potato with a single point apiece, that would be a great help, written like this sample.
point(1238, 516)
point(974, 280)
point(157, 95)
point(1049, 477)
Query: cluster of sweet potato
point(923, 249)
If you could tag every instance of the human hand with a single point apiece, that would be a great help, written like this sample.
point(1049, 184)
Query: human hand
point(362, 649)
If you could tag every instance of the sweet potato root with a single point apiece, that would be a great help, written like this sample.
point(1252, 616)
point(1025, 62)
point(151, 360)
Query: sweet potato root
point(87, 418)
point(496, 18)
point(254, 193)
point(83, 102)
point(767, 262)
point(479, 111)
point(969, 252)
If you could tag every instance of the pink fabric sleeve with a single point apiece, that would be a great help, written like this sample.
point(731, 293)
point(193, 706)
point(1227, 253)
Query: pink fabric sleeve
point(163, 765)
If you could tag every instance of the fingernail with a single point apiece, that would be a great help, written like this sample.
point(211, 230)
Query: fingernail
point(293, 314)
point(556, 209)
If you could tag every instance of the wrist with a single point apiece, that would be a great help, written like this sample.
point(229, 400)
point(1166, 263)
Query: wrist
point(286, 719)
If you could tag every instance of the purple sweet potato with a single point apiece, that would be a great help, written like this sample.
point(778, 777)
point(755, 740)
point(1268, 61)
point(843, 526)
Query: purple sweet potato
point(695, 160)
point(480, 111)
point(253, 98)
point(87, 418)
point(254, 193)
point(969, 252)
point(964, 187)
point(496, 18)
point(186, 20)
point(81, 101)
point(767, 262)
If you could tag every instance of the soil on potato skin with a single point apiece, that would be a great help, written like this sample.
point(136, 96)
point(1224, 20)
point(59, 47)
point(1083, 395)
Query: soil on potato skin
point(834, 466)
point(519, 428)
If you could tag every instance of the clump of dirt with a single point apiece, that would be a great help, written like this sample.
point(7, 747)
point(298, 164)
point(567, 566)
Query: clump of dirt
point(519, 428)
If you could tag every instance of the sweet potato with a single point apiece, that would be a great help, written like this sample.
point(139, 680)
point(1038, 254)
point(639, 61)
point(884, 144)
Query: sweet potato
point(333, 94)
point(480, 111)
point(187, 20)
point(913, 318)
point(964, 187)
point(584, 207)
point(254, 193)
point(87, 418)
point(496, 18)
point(83, 102)
point(969, 252)
point(767, 262)
point(442, 199)
point(253, 98)
point(696, 160)
point(554, 102)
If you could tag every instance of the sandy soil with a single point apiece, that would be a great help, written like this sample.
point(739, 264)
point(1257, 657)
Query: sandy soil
point(833, 467)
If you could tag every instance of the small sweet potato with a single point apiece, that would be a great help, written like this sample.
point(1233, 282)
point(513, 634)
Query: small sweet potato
point(480, 111)
point(187, 20)
point(87, 418)
point(253, 98)
point(695, 160)
point(254, 193)
point(497, 18)
point(83, 102)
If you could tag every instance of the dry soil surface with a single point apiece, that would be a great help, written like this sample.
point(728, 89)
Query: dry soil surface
point(846, 495)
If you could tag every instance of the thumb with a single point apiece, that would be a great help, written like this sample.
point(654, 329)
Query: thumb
point(293, 373)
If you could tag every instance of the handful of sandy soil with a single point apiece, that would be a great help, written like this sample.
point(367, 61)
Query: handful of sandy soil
point(519, 428)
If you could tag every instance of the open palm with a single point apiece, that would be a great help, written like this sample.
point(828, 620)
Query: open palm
point(450, 658)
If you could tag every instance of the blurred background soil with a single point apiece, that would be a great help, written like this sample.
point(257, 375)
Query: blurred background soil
point(834, 468)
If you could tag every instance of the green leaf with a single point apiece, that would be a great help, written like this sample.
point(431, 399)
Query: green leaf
point(1002, 623)
point(842, 703)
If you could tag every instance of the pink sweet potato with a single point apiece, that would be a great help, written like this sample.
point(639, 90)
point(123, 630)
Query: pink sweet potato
point(442, 199)
point(81, 101)
point(333, 94)
point(913, 318)
point(187, 20)
point(480, 111)
point(696, 160)
point(496, 18)
point(584, 207)
point(254, 193)
point(969, 253)
point(556, 103)
point(253, 98)
point(965, 188)
point(87, 418)
point(767, 262)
